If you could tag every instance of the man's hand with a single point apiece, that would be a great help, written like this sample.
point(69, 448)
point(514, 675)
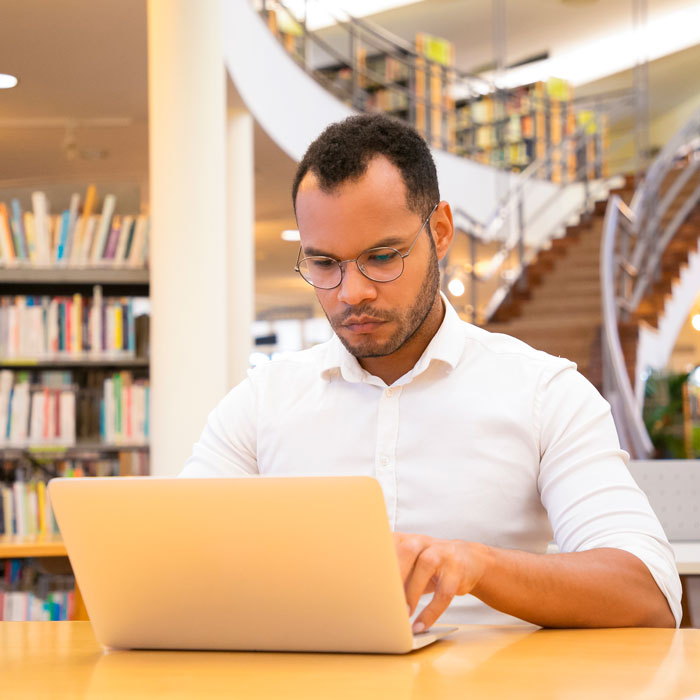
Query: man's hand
point(444, 567)
point(603, 587)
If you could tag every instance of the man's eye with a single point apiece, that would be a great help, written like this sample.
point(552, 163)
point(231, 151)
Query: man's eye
point(322, 263)
point(382, 257)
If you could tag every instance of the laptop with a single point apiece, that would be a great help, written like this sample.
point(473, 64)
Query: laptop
point(259, 563)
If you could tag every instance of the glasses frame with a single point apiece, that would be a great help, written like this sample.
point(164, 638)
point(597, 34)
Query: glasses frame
point(342, 264)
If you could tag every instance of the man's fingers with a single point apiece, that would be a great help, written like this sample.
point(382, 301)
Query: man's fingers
point(445, 591)
point(426, 567)
point(408, 548)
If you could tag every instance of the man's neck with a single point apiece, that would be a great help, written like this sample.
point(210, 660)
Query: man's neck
point(391, 367)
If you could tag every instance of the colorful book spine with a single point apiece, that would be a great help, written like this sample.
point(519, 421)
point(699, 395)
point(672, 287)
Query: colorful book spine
point(18, 231)
point(90, 200)
point(61, 253)
point(98, 249)
point(113, 239)
point(8, 247)
point(72, 225)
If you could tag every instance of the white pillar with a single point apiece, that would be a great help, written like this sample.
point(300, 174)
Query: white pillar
point(240, 195)
point(187, 132)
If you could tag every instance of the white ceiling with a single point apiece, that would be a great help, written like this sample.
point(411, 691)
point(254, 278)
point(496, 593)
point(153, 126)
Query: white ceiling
point(83, 60)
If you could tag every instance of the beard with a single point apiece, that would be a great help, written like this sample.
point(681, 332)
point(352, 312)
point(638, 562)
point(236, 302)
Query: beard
point(407, 322)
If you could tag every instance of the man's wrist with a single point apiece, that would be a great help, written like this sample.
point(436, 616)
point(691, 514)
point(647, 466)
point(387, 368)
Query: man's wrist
point(477, 560)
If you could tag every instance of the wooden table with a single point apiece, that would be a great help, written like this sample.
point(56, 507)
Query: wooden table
point(63, 660)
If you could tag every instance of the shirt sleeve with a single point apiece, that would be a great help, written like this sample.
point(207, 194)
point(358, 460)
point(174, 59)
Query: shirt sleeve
point(590, 496)
point(228, 444)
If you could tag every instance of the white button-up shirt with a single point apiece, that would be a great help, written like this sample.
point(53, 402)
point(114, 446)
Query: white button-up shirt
point(485, 440)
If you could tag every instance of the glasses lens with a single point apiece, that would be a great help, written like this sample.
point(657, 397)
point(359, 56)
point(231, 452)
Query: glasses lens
point(381, 264)
point(320, 271)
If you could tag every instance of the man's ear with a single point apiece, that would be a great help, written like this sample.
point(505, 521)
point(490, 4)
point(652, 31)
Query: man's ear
point(442, 229)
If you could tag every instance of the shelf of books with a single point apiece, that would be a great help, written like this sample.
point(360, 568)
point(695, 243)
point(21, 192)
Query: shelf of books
point(74, 379)
point(512, 129)
point(507, 129)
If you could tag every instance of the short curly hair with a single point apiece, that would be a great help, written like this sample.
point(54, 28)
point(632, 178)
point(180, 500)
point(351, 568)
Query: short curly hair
point(343, 151)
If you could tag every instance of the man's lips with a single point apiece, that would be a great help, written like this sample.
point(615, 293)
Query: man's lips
point(362, 324)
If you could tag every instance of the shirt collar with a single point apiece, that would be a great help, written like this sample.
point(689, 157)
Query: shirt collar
point(446, 346)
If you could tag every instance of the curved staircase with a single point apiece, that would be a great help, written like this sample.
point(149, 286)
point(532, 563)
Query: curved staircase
point(560, 309)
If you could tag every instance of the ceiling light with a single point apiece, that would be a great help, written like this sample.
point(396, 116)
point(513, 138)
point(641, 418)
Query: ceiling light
point(696, 322)
point(290, 235)
point(7, 81)
point(456, 287)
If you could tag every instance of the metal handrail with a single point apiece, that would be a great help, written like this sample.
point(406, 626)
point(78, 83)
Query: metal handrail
point(630, 264)
point(616, 384)
point(355, 94)
point(511, 204)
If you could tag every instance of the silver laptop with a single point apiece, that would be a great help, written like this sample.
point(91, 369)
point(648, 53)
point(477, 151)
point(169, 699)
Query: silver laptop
point(260, 563)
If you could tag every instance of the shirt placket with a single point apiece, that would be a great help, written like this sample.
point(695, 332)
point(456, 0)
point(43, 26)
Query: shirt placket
point(385, 453)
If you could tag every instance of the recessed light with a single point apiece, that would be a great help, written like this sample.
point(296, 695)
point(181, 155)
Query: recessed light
point(7, 81)
point(695, 322)
point(290, 235)
point(456, 287)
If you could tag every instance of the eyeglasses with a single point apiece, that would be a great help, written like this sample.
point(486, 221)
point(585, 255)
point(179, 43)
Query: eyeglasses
point(383, 264)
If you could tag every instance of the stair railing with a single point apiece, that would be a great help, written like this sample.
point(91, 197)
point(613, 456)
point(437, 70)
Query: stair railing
point(634, 240)
point(507, 225)
point(499, 274)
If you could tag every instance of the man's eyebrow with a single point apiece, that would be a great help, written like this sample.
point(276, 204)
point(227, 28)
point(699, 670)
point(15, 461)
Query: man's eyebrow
point(388, 242)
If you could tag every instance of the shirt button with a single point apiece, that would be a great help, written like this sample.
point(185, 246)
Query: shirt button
point(384, 461)
point(389, 393)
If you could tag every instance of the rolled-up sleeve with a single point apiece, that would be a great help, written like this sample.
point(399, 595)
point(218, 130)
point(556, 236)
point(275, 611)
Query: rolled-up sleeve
point(227, 445)
point(591, 498)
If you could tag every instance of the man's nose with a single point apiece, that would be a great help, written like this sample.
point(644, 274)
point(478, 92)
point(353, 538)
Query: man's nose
point(355, 287)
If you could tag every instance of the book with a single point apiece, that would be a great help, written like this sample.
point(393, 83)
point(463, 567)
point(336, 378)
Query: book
point(30, 236)
point(17, 227)
point(109, 411)
point(66, 420)
point(98, 247)
point(72, 225)
point(6, 382)
point(8, 248)
point(40, 206)
point(124, 236)
point(137, 254)
point(90, 199)
point(113, 239)
point(19, 508)
point(61, 251)
point(88, 241)
point(77, 323)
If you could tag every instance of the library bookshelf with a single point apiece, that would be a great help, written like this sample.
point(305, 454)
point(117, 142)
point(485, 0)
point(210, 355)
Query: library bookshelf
point(73, 329)
point(25, 546)
point(45, 547)
point(464, 114)
point(74, 370)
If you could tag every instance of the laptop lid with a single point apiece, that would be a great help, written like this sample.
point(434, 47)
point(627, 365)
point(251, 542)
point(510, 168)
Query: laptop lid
point(260, 563)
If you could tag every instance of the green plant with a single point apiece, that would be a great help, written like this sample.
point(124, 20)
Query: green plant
point(663, 414)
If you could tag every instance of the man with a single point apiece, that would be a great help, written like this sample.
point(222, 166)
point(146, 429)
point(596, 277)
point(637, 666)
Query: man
point(483, 447)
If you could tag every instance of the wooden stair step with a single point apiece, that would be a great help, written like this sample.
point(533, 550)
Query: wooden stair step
point(570, 287)
point(564, 304)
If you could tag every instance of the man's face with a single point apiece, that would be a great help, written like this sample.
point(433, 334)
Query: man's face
point(372, 319)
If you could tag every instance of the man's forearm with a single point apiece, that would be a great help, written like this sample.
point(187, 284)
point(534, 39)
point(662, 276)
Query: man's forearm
point(596, 588)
